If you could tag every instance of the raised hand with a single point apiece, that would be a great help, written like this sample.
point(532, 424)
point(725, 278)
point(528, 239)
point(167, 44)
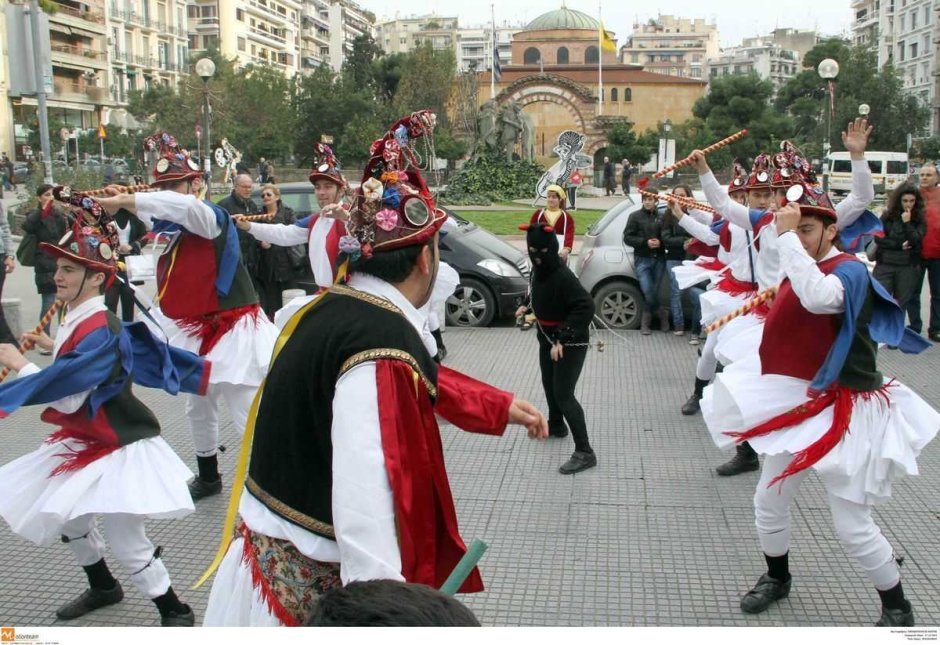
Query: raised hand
point(855, 136)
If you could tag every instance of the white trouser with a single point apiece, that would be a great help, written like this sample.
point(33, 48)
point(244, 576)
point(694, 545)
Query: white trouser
point(203, 413)
point(860, 536)
point(129, 545)
point(708, 362)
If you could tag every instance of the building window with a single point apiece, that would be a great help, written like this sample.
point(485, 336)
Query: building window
point(193, 41)
point(531, 56)
point(241, 44)
point(613, 95)
point(901, 51)
point(240, 15)
point(634, 57)
point(697, 72)
point(591, 55)
point(913, 47)
point(562, 57)
point(627, 94)
point(914, 19)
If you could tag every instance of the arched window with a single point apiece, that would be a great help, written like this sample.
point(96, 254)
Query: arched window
point(591, 55)
point(562, 57)
point(613, 94)
point(531, 56)
point(627, 94)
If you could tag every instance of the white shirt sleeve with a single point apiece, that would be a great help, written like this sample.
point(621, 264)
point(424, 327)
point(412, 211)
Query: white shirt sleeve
point(65, 405)
point(819, 293)
point(863, 192)
point(699, 231)
point(363, 507)
point(731, 210)
point(278, 234)
point(185, 210)
point(701, 216)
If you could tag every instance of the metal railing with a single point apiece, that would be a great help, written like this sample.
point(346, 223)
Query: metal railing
point(87, 15)
point(74, 50)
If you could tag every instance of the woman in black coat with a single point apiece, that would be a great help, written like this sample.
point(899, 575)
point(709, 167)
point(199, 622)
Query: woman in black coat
point(131, 232)
point(278, 266)
point(48, 223)
point(897, 255)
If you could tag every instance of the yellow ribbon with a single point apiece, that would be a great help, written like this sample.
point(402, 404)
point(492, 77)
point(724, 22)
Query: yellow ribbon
point(241, 468)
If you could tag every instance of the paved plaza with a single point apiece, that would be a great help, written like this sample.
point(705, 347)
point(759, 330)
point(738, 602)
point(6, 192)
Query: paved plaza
point(650, 537)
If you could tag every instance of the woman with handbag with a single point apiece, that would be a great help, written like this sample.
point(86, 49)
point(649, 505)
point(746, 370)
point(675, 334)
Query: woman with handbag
point(897, 254)
point(48, 223)
point(131, 232)
point(278, 266)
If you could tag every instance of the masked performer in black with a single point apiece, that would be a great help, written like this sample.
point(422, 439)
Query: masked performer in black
point(563, 311)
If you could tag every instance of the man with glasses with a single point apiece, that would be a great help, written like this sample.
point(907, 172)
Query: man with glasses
point(239, 202)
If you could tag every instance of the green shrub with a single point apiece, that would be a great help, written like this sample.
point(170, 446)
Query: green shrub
point(491, 178)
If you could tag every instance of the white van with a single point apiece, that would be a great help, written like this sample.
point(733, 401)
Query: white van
point(888, 170)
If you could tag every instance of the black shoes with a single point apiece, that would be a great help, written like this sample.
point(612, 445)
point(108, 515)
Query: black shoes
point(896, 617)
point(934, 336)
point(745, 460)
point(767, 591)
point(199, 488)
point(175, 619)
point(90, 600)
point(691, 406)
point(579, 461)
point(558, 430)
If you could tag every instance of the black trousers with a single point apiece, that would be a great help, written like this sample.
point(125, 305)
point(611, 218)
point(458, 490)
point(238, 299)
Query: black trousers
point(899, 280)
point(270, 296)
point(120, 291)
point(6, 336)
point(559, 380)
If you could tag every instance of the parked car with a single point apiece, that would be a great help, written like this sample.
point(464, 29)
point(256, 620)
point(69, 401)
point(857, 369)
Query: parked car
point(494, 275)
point(606, 270)
point(21, 172)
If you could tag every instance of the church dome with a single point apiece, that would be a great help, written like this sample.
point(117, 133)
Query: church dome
point(563, 18)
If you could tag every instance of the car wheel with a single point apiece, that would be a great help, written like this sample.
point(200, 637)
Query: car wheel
point(471, 305)
point(619, 305)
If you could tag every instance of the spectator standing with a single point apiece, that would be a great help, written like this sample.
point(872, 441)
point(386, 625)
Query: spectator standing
point(7, 252)
point(48, 224)
point(239, 202)
point(574, 182)
point(644, 232)
point(675, 242)
point(625, 175)
point(930, 254)
point(277, 265)
point(262, 175)
point(608, 177)
point(131, 233)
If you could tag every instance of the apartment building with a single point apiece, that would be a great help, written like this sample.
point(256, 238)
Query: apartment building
point(401, 35)
point(475, 47)
point(671, 45)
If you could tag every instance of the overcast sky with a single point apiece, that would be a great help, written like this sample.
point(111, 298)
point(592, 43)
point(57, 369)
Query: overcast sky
point(736, 19)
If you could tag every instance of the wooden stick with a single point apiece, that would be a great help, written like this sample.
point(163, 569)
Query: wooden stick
point(103, 192)
point(712, 148)
point(28, 344)
point(753, 303)
point(682, 201)
point(254, 218)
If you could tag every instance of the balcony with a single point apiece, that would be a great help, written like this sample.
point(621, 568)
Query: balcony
point(79, 56)
point(266, 37)
point(66, 90)
point(89, 20)
point(209, 23)
point(261, 8)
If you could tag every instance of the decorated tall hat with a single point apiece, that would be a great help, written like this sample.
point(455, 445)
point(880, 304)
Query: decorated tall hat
point(173, 163)
point(92, 239)
point(812, 199)
point(760, 173)
point(326, 166)
point(790, 167)
point(738, 177)
point(393, 207)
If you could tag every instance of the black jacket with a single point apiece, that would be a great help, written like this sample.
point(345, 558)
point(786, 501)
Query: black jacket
point(674, 239)
point(250, 247)
point(642, 226)
point(137, 232)
point(559, 297)
point(277, 264)
point(896, 232)
point(46, 229)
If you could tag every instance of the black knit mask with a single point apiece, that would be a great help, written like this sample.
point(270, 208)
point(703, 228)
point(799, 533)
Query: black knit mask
point(543, 250)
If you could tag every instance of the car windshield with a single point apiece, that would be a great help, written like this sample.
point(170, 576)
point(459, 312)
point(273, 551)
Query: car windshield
point(302, 203)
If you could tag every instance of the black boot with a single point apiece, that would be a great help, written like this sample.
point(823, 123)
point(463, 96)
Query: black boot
point(896, 611)
point(439, 339)
point(577, 462)
point(90, 600)
point(767, 591)
point(664, 319)
point(744, 460)
point(199, 488)
point(692, 406)
point(645, 319)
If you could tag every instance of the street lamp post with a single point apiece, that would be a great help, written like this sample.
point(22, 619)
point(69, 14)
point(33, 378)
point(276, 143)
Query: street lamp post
point(828, 70)
point(666, 152)
point(205, 68)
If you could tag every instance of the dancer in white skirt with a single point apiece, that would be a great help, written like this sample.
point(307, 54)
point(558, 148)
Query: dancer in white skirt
point(107, 458)
point(813, 398)
point(205, 299)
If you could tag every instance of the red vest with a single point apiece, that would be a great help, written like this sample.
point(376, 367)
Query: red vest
point(796, 342)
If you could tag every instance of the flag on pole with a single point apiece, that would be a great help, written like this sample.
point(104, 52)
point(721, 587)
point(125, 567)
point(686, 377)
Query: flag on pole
point(497, 70)
point(607, 43)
